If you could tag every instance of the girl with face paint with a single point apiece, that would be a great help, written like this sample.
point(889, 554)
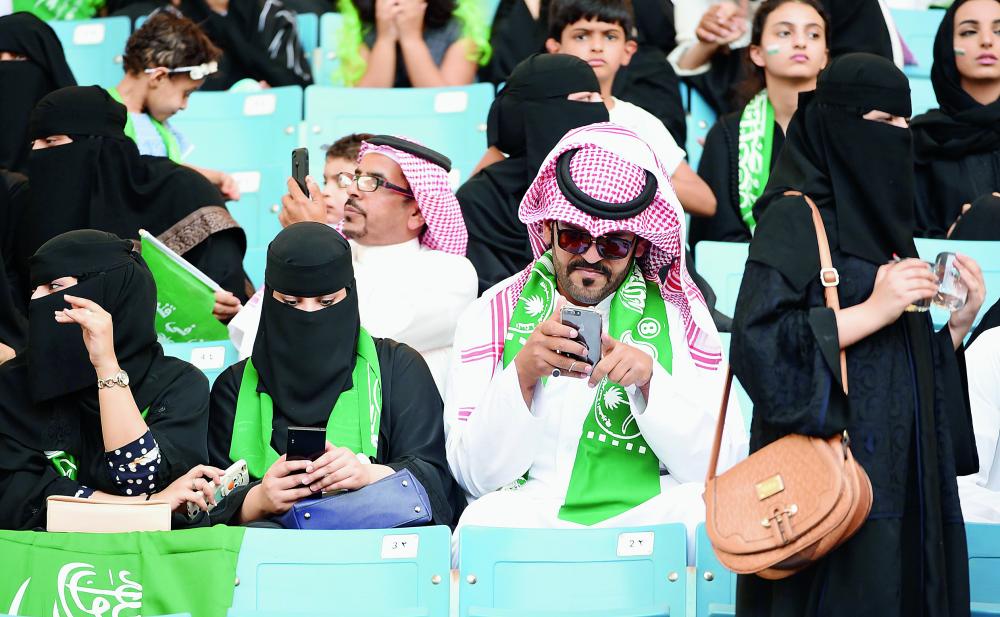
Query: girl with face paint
point(848, 148)
point(314, 365)
point(93, 407)
point(788, 49)
point(957, 146)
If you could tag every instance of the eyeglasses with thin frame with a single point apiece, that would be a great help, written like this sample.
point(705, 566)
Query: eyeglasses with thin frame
point(578, 241)
point(198, 71)
point(369, 184)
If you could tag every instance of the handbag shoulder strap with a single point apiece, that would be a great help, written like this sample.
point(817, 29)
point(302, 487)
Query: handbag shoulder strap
point(829, 278)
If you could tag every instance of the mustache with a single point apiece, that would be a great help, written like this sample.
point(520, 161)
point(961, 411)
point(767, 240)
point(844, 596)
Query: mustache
point(354, 204)
point(583, 263)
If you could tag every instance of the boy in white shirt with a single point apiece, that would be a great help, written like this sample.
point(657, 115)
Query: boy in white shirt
point(600, 32)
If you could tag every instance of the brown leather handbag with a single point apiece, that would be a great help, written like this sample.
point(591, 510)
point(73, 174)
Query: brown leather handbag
point(795, 500)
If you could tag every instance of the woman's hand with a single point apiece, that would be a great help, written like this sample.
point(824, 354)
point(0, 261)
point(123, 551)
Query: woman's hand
point(281, 487)
point(98, 331)
point(410, 19)
point(385, 19)
point(898, 285)
point(340, 469)
point(197, 486)
point(961, 320)
point(226, 306)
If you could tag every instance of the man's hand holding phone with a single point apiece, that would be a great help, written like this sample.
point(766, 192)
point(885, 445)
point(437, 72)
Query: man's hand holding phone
point(542, 353)
point(296, 207)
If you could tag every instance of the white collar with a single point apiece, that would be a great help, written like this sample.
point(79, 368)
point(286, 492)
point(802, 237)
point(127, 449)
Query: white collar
point(385, 252)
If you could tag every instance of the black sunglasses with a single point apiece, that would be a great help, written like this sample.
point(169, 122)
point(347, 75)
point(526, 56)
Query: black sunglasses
point(578, 241)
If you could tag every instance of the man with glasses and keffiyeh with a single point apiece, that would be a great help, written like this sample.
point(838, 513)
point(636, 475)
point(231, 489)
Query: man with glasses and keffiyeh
point(540, 440)
point(408, 241)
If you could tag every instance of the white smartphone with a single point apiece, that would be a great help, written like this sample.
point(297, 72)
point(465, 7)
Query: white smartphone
point(236, 476)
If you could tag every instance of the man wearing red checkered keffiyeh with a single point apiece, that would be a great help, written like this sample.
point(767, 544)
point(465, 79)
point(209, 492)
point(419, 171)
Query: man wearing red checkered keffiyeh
point(408, 240)
point(624, 441)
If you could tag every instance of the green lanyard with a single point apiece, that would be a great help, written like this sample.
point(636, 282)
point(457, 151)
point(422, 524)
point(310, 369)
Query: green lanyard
point(169, 139)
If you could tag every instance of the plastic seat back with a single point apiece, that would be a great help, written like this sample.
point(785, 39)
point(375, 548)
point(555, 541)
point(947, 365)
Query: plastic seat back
point(365, 573)
point(94, 48)
point(624, 572)
point(450, 120)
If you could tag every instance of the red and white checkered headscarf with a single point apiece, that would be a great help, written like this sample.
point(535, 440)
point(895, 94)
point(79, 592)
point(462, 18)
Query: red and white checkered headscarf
point(445, 229)
point(610, 165)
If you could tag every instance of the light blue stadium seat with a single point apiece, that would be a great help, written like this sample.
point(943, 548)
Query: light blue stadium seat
point(94, 48)
point(367, 573)
point(746, 405)
point(211, 357)
point(715, 586)
point(326, 61)
point(250, 135)
point(625, 572)
point(254, 263)
point(451, 120)
point(922, 95)
point(721, 264)
point(917, 28)
point(308, 27)
point(242, 129)
point(700, 118)
point(987, 255)
point(984, 568)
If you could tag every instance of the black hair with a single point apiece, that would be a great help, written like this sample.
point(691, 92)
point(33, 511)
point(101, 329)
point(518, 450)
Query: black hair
point(437, 15)
point(169, 40)
point(754, 81)
point(563, 13)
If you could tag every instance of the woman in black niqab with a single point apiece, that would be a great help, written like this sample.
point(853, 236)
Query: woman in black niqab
point(100, 181)
point(313, 365)
point(908, 390)
point(49, 405)
point(24, 82)
point(957, 146)
point(527, 119)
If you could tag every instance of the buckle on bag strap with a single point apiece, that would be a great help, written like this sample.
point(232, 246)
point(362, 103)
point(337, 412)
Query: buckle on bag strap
point(829, 277)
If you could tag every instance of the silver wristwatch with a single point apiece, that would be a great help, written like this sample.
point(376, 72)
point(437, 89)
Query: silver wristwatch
point(119, 379)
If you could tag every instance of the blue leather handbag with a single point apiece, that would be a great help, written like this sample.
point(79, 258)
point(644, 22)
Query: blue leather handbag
point(395, 501)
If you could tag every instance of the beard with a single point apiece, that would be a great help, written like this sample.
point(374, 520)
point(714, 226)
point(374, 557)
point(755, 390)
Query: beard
point(589, 292)
point(354, 217)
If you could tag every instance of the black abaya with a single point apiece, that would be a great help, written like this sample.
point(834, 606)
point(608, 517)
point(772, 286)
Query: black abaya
point(411, 432)
point(957, 146)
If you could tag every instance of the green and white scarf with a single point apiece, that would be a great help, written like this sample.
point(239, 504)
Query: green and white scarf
point(754, 162)
point(615, 469)
point(353, 423)
point(170, 143)
point(59, 9)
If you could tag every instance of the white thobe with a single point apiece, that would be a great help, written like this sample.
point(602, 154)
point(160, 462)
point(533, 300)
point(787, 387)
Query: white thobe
point(406, 292)
point(493, 438)
point(980, 492)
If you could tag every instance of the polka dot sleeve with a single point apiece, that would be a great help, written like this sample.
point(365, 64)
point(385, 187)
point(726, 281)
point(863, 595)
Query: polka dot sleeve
point(133, 467)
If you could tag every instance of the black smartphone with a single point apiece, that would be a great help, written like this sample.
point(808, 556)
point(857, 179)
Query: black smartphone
point(305, 443)
point(300, 168)
point(588, 326)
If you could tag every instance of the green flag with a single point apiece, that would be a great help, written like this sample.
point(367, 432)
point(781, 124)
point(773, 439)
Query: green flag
point(59, 9)
point(184, 296)
point(121, 574)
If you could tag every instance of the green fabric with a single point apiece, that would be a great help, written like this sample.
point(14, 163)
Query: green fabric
point(755, 142)
point(352, 34)
point(353, 423)
point(119, 574)
point(170, 142)
point(615, 469)
point(59, 9)
point(183, 303)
